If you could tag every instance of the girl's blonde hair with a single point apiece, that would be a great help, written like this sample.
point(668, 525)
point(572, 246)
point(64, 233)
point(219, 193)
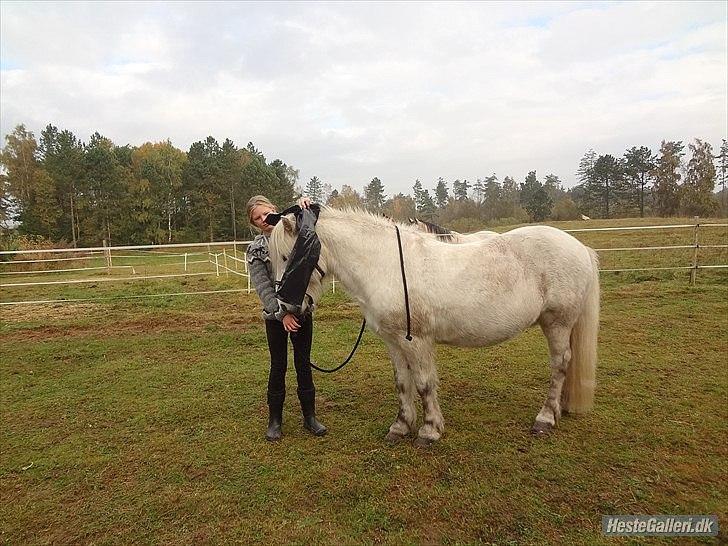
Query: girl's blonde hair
point(254, 202)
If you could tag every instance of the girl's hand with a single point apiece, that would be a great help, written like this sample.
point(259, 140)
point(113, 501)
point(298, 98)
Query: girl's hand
point(290, 324)
point(304, 202)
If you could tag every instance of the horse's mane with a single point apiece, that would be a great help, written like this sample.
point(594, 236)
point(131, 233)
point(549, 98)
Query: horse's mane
point(414, 225)
point(443, 234)
point(354, 214)
point(431, 228)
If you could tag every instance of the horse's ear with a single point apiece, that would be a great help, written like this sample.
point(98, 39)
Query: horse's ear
point(289, 224)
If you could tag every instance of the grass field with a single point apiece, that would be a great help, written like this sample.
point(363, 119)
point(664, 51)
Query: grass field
point(142, 421)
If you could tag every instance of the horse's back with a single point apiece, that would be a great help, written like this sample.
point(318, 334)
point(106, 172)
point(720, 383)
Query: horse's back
point(564, 266)
point(549, 243)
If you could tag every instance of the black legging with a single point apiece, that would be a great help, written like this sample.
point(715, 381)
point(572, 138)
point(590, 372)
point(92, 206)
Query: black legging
point(278, 347)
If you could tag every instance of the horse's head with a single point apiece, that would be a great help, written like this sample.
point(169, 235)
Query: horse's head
point(282, 239)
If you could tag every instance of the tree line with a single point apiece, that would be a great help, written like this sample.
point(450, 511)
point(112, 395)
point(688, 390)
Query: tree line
point(83, 194)
point(637, 184)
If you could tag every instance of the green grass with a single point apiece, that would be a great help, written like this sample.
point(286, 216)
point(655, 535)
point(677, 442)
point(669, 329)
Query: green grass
point(143, 421)
point(145, 424)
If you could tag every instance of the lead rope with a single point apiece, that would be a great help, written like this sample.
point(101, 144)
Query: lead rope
point(408, 337)
point(332, 370)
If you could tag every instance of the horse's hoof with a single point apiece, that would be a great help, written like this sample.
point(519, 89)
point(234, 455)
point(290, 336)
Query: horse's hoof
point(540, 428)
point(424, 442)
point(393, 438)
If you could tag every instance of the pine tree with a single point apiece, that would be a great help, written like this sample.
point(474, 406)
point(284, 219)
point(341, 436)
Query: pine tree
point(492, 197)
point(103, 200)
point(586, 167)
point(478, 191)
point(510, 198)
point(639, 164)
point(460, 189)
point(231, 164)
point(332, 197)
point(205, 194)
point(62, 157)
point(535, 199)
point(696, 196)
point(423, 201)
point(282, 192)
point(314, 189)
point(667, 177)
point(374, 195)
point(441, 193)
point(552, 184)
point(605, 186)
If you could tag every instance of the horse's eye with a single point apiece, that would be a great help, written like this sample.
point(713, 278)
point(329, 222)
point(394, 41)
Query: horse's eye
point(284, 258)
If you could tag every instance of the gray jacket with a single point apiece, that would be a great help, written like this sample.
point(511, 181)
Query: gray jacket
point(261, 276)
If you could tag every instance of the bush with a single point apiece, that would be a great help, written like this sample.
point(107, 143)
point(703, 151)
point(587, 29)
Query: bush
point(30, 243)
point(565, 209)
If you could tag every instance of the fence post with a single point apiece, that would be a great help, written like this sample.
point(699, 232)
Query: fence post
point(107, 255)
point(235, 254)
point(217, 266)
point(694, 270)
point(224, 257)
point(185, 262)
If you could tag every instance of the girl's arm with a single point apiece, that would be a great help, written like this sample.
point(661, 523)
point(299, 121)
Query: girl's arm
point(263, 286)
point(261, 280)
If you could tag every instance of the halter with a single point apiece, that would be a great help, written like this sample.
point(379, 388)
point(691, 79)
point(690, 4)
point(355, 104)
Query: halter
point(317, 267)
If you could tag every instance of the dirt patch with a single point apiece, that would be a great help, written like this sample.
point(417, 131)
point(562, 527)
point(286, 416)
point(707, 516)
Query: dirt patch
point(116, 324)
point(60, 311)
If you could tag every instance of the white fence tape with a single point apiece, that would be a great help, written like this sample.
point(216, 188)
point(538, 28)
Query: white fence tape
point(126, 247)
point(105, 279)
point(36, 271)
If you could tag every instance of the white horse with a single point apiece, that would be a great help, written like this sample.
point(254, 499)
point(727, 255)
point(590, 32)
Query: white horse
point(470, 294)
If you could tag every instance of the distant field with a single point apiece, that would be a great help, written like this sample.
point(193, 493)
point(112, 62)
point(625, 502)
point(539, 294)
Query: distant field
point(142, 421)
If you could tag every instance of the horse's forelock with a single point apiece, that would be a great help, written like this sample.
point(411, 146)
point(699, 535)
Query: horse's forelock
point(281, 244)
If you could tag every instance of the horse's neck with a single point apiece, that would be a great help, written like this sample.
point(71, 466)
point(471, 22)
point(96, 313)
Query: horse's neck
point(355, 253)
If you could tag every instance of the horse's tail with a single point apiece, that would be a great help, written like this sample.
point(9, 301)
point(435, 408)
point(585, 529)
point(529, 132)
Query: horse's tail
point(578, 390)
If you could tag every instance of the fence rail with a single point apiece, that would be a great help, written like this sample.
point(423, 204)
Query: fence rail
point(693, 267)
point(126, 247)
point(224, 260)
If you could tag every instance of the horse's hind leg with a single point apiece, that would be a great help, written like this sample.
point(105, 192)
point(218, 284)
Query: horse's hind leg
point(558, 337)
point(407, 416)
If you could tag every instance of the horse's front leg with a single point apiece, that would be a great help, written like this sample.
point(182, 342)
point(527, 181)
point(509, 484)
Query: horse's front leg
point(407, 416)
point(421, 357)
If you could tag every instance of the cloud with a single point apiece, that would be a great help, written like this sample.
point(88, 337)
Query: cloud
point(400, 91)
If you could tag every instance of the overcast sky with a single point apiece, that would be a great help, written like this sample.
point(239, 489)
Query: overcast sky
point(350, 91)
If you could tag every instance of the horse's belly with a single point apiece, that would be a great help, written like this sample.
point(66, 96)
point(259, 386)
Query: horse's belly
point(479, 329)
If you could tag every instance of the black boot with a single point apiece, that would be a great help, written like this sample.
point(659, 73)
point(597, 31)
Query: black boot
point(275, 415)
point(308, 406)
